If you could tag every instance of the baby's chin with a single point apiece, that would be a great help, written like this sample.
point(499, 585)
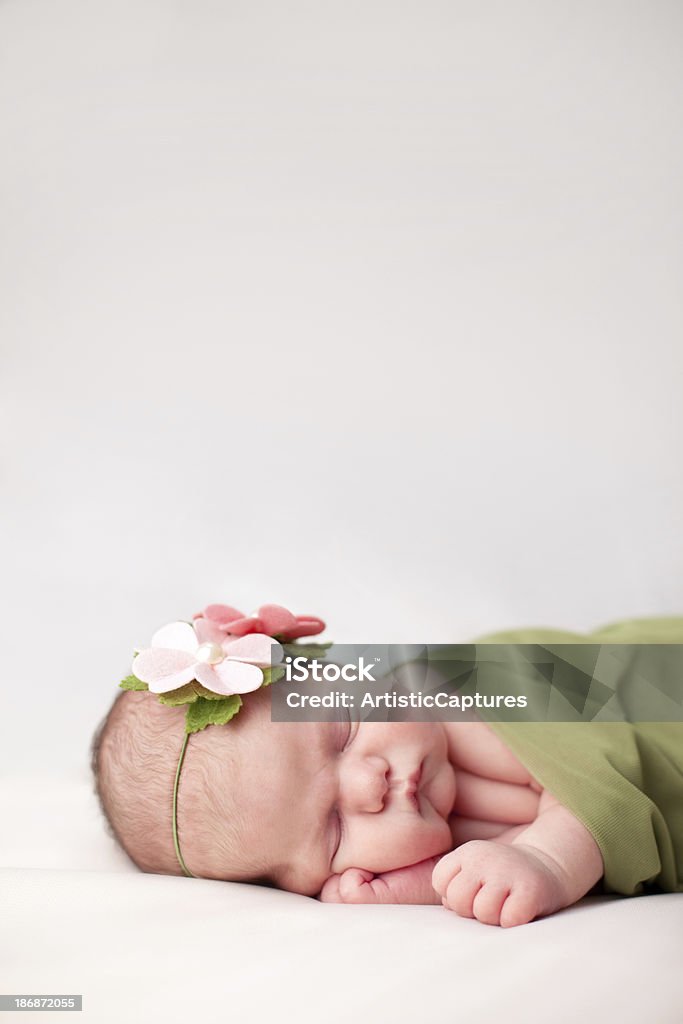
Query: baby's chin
point(428, 836)
point(423, 846)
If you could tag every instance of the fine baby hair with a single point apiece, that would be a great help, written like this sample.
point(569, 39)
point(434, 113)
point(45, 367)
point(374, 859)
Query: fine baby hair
point(202, 673)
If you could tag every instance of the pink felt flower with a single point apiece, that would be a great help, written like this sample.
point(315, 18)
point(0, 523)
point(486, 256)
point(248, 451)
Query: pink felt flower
point(181, 652)
point(270, 619)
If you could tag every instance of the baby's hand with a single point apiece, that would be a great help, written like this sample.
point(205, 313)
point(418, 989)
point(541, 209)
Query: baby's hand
point(352, 886)
point(412, 884)
point(498, 884)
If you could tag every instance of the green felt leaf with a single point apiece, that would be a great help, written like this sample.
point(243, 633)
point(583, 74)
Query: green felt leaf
point(186, 694)
point(133, 683)
point(211, 712)
point(209, 694)
point(271, 675)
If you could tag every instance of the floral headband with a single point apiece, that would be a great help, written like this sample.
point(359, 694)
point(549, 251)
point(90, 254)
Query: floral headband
point(208, 663)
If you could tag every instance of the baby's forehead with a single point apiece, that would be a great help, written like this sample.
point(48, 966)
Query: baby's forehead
point(292, 746)
point(276, 761)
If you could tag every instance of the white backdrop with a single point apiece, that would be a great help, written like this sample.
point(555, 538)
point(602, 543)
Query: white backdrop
point(370, 309)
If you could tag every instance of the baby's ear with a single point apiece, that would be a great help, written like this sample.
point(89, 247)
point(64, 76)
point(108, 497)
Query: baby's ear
point(412, 884)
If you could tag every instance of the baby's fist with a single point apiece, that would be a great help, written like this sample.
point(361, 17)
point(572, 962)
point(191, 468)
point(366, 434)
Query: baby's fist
point(352, 886)
point(412, 884)
point(497, 883)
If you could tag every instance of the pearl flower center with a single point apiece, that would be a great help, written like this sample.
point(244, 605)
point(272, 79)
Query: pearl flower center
point(210, 654)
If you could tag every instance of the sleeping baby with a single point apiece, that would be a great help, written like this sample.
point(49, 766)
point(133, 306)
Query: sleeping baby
point(502, 822)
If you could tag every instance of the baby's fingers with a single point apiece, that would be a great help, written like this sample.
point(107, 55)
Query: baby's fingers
point(461, 894)
point(446, 869)
point(489, 901)
point(521, 907)
point(330, 891)
point(352, 886)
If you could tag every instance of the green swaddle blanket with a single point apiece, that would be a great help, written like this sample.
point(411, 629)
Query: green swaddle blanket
point(623, 780)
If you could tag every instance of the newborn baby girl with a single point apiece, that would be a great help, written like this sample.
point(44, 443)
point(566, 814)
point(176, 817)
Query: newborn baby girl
point(374, 812)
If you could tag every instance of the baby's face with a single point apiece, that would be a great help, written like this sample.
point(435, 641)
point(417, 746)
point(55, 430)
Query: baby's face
point(322, 797)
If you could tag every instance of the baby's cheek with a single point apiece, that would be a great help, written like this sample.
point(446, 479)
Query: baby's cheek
point(384, 846)
point(440, 841)
point(442, 790)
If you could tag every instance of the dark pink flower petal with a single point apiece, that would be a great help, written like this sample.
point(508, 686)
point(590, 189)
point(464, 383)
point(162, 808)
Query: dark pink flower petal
point(248, 624)
point(221, 614)
point(274, 620)
point(306, 625)
point(277, 621)
point(208, 632)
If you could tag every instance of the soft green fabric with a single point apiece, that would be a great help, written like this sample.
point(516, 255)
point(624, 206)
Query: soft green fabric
point(623, 780)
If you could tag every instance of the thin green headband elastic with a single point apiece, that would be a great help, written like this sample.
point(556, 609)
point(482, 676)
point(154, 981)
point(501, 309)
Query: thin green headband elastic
point(179, 855)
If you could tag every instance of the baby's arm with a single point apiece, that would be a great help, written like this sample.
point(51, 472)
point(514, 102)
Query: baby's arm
point(548, 865)
point(529, 871)
point(412, 884)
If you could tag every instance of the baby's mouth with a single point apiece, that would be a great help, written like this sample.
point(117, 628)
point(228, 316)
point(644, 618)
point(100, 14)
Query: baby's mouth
point(411, 786)
point(413, 781)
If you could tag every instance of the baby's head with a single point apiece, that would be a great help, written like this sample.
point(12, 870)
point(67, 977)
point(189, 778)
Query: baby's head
point(283, 803)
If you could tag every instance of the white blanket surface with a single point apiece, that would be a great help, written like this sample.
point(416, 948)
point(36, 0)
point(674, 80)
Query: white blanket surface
point(77, 917)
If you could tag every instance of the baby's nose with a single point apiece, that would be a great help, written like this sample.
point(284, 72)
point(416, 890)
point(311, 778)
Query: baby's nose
point(367, 784)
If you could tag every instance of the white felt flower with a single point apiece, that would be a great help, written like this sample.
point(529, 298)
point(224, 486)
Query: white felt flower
point(181, 652)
